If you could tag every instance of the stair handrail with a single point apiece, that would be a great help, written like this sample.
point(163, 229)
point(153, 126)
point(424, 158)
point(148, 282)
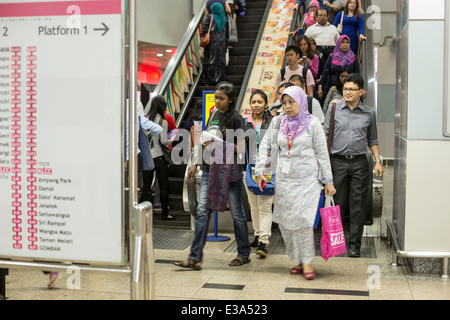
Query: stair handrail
point(178, 56)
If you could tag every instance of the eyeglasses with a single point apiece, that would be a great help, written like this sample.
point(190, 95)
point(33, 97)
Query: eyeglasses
point(350, 89)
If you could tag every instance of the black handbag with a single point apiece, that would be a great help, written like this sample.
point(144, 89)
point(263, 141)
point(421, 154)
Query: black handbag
point(167, 153)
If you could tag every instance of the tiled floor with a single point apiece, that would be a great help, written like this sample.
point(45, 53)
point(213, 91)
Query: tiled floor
point(267, 279)
point(341, 278)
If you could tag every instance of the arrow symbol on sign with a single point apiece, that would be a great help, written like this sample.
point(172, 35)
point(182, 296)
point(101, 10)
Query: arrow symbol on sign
point(106, 29)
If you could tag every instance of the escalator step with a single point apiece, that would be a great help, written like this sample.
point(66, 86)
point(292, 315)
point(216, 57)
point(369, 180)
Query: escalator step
point(236, 69)
point(248, 27)
point(256, 11)
point(235, 79)
point(240, 51)
point(255, 5)
point(239, 60)
point(243, 43)
point(256, 18)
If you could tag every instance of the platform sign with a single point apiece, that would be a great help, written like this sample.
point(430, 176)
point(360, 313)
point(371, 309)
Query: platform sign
point(61, 71)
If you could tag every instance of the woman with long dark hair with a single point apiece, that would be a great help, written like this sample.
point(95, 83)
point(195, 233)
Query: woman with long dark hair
point(220, 182)
point(307, 56)
point(335, 92)
point(156, 114)
point(353, 24)
point(257, 124)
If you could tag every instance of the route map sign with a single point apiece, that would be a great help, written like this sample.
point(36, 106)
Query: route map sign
point(61, 80)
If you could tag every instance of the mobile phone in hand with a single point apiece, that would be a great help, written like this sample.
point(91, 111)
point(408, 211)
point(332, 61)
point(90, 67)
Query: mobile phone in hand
point(263, 184)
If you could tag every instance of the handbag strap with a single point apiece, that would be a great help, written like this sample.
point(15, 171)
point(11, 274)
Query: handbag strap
point(160, 123)
point(329, 202)
point(210, 23)
point(303, 23)
point(331, 129)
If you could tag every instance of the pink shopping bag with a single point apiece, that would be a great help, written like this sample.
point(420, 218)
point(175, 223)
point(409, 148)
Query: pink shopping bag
point(332, 242)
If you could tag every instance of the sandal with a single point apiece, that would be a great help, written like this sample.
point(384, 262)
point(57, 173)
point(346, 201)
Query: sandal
point(239, 261)
point(296, 270)
point(195, 265)
point(309, 275)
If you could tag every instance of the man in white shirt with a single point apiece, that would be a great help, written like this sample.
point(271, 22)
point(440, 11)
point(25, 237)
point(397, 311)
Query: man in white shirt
point(292, 55)
point(324, 33)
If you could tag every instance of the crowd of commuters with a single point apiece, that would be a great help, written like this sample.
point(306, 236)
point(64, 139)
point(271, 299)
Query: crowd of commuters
point(312, 139)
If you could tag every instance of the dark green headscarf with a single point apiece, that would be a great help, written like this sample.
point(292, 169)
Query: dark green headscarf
point(219, 15)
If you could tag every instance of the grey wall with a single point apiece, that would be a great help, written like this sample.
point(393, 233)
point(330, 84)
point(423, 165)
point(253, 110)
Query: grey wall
point(385, 55)
point(164, 21)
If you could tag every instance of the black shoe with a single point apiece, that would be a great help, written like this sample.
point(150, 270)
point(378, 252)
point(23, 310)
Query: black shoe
point(168, 217)
point(353, 253)
point(255, 243)
point(262, 250)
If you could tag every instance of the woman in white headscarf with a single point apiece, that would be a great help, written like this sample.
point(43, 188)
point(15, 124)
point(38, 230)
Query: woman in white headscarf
point(302, 168)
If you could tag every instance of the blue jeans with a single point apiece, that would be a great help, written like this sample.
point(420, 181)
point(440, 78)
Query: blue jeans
point(204, 215)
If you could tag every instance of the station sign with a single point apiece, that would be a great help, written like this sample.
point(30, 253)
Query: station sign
point(61, 80)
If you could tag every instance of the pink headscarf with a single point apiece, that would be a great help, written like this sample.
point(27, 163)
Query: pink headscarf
point(308, 21)
point(342, 58)
point(302, 118)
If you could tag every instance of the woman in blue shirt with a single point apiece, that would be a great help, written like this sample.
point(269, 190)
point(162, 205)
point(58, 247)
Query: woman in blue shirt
point(353, 24)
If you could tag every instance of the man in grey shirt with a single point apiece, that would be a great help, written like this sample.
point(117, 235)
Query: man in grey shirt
point(355, 128)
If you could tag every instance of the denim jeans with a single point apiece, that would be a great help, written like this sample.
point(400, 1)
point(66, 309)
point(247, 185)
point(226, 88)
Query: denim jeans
point(204, 215)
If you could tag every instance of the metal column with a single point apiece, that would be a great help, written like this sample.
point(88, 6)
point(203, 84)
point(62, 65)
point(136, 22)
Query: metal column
point(141, 244)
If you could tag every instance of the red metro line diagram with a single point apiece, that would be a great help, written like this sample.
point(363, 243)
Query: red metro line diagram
point(16, 170)
point(31, 147)
point(16, 152)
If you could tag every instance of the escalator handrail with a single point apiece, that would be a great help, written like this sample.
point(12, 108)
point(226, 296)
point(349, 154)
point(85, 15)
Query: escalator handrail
point(189, 98)
point(253, 57)
point(176, 59)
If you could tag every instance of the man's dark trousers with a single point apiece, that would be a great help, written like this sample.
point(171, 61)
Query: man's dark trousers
point(351, 186)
